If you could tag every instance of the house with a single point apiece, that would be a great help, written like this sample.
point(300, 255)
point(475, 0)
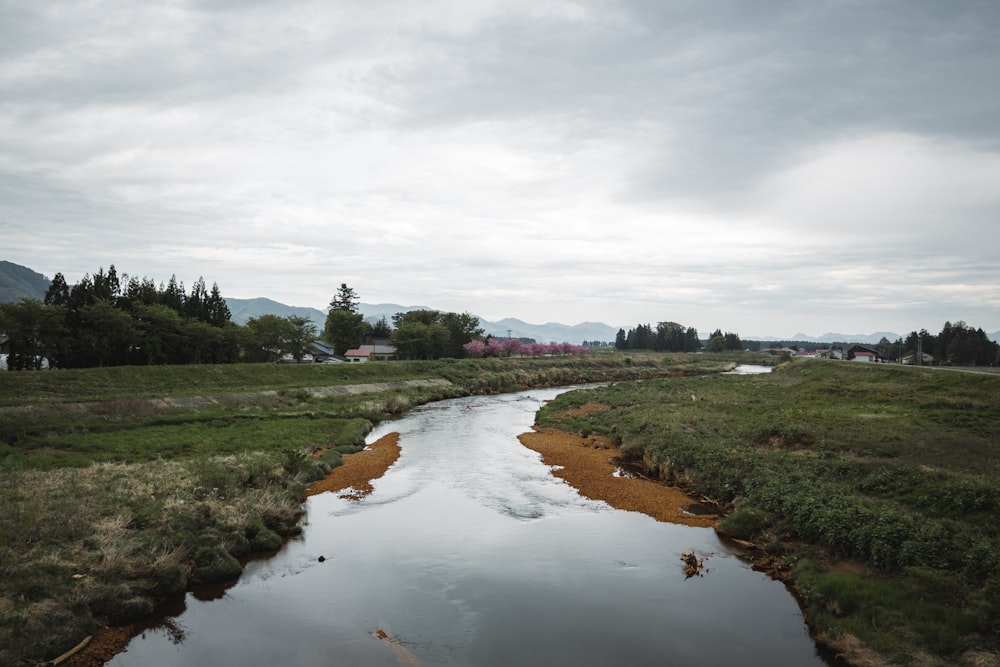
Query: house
point(323, 353)
point(862, 353)
point(925, 359)
point(358, 356)
point(380, 351)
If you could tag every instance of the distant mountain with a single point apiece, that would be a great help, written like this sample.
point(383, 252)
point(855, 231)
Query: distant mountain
point(373, 312)
point(550, 331)
point(865, 339)
point(243, 309)
point(19, 282)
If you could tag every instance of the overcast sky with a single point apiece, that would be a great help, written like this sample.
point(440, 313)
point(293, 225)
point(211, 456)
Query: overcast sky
point(762, 167)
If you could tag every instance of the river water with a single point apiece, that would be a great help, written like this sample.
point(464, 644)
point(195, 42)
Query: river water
point(469, 552)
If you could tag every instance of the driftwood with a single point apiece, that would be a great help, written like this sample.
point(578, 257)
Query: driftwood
point(68, 654)
point(692, 564)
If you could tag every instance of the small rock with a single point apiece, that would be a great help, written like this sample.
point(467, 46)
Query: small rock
point(322, 559)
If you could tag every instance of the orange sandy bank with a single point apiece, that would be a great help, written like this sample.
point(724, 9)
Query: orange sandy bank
point(588, 464)
point(359, 469)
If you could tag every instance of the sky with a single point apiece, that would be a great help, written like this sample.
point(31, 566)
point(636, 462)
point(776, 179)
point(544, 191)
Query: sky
point(766, 167)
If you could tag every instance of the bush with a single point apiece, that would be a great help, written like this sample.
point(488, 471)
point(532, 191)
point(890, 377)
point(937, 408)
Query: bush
point(745, 522)
point(212, 561)
point(118, 604)
point(215, 565)
point(262, 538)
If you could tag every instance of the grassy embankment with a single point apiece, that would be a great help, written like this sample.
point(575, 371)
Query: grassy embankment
point(876, 489)
point(111, 499)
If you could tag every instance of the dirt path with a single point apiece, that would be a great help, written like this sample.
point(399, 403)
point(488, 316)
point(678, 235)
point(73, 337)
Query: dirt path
point(588, 465)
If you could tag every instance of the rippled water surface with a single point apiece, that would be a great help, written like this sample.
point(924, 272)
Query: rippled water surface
point(470, 553)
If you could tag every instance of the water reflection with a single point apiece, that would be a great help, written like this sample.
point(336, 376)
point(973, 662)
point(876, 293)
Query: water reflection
point(749, 369)
point(469, 552)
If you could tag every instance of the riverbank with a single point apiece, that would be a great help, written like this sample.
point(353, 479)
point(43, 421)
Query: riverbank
point(870, 490)
point(590, 465)
point(359, 469)
point(356, 473)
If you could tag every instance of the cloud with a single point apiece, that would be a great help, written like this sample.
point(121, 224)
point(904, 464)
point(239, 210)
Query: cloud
point(786, 165)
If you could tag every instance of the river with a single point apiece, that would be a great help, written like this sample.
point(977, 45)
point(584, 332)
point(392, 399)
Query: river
point(470, 553)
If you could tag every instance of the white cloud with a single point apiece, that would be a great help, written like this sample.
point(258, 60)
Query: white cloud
point(759, 169)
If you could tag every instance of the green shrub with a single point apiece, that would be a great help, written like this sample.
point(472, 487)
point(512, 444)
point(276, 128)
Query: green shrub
point(745, 523)
point(171, 580)
point(262, 538)
point(119, 604)
point(214, 564)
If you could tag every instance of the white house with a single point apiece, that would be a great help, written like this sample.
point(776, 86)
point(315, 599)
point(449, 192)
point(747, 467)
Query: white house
point(358, 356)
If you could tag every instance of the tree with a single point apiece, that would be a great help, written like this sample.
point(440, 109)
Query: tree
point(417, 340)
point(381, 328)
point(107, 332)
point(733, 341)
point(887, 349)
point(345, 299)
point(345, 329)
point(620, 340)
point(172, 296)
point(201, 339)
point(266, 337)
point(217, 308)
point(34, 333)
point(107, 286)
point(431, 334)
point(717, 343)
point(640, 338)
point(58, 292)
point(475, 349)
point(691, 341)
point(196, 305)
point(301, 333)
point(462, 328)
point(161, 337)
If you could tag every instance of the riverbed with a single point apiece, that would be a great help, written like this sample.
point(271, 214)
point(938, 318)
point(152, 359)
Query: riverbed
point(470, 552)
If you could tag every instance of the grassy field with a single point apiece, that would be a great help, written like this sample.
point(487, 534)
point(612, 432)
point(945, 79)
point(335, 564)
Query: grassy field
point(875, 488)
point(111, 499)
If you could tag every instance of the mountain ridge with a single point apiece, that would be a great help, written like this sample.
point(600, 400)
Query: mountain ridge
point(242, 309)
point(19, 282)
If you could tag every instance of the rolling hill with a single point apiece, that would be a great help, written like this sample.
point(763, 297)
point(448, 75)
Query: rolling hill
point(19, 282)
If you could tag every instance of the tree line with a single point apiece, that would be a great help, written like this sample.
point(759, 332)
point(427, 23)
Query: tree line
point(957, 343)
point(416, 334)
point(666, 337)
point(109, 319)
